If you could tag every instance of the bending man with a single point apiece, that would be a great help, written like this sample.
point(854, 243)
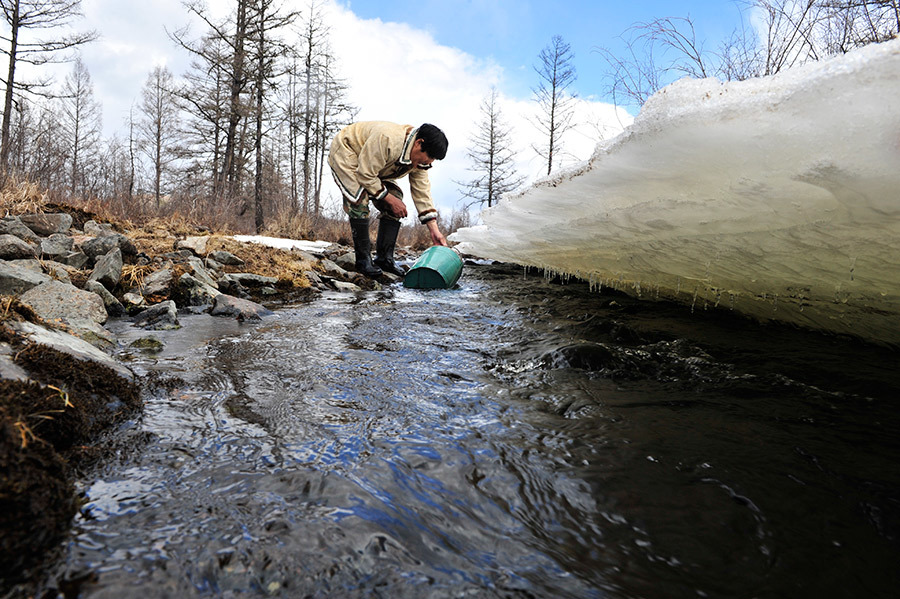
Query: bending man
point(365, 159)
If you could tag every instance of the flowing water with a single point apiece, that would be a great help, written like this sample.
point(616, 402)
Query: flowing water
point(514, 437)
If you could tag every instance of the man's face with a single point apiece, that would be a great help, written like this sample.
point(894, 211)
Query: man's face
point(419, 157)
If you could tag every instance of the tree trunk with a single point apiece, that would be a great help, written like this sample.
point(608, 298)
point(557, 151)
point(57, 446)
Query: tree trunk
point(260, 79)
point(8, 100)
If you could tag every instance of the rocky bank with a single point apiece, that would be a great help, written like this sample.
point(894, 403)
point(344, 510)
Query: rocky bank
point(62, 276)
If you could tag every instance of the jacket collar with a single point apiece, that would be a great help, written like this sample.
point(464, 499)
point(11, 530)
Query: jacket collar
point(407, 146)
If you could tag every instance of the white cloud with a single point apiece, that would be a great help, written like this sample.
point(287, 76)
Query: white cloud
point(402, 74)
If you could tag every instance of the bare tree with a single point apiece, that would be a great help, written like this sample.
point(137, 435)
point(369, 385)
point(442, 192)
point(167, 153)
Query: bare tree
point(233, 63)
point(334, 112)
point(792, 32)
point(23, 15)
point(82, 124)
point(492, 157)
point(158, 125)
point(269, 49)
point(203, 95)
point(555, 75)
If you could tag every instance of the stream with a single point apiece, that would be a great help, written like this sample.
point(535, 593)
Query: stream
point(513, 437)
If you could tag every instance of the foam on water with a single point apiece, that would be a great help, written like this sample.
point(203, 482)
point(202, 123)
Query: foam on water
point(777, 197)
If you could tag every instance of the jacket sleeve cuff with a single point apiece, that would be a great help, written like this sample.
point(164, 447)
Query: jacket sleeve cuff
point(427, 215)
point(381, 194)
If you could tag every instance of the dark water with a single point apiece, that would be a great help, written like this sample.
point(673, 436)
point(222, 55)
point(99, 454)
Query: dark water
point(511, 438)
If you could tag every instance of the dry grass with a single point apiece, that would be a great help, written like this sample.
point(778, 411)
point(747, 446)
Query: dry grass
point(283, 265)
point(133, 275)
point(22, 197)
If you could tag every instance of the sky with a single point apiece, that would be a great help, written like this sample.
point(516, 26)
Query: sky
point(419, 61)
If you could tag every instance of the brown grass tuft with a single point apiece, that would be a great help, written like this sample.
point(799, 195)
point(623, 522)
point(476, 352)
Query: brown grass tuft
point(22, 197)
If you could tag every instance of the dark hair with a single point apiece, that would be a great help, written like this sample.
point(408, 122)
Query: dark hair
point(434, 142)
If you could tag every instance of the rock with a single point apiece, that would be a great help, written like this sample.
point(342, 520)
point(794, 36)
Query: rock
point(47, 224)
point(63, 239)
point(195, 244)
point(333, 270)
point(314, 279)
point(95, 229)
point(75, 259)
point(390, 277)
point(12, 225)
point(344, 286)
point(161, 316)
point(11, 370)
point(346, 261)
point(69, 344)
point(133, 302)
point(223, 257)
point(53, 249)
point(60, 272)
point(159, 282)
point(15, 279)
point(228, 305)
point(148, 344)
point(199, 272)
point(11, 247)
point(108, 269)
point(306, 256)
point(232, 286)
point(29, 263)
point(192, 292)
point(113, 306)
point(246, 279)
point(179, 256)
point(55, 300)
point(213, 265)
point(100, 246)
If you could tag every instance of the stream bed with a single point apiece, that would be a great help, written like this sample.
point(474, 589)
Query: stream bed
point(513, 437)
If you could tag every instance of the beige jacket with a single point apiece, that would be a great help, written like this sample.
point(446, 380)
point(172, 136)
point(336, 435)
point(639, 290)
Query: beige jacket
point(365, 154)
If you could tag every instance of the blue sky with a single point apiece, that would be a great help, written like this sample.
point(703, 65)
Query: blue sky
point(513, 32)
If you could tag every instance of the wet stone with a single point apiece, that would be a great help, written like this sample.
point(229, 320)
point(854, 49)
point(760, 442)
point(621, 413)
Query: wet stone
point(113, 306)
point(345, 287)
point(148, 344)
point(227, 305)
point(193, 292)
point(161, 316)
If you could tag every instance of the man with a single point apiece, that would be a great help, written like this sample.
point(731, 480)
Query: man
point(365, 158)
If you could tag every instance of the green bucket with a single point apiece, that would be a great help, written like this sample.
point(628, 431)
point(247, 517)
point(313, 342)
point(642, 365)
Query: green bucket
point(438, 267)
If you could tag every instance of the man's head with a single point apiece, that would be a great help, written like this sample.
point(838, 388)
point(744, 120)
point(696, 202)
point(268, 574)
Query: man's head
point(430, 145)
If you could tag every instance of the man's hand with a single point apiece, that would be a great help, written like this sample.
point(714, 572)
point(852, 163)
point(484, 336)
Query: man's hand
point(398, 208)
point(437, 238)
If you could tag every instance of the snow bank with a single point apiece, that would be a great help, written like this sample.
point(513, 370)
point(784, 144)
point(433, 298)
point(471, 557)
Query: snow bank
point(777, 197)
point(284, 244)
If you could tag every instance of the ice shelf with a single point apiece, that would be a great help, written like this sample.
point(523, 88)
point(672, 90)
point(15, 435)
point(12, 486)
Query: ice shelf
point(777, 198)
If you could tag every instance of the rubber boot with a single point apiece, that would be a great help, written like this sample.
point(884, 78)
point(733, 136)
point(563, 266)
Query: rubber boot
point(362, 247)
point(388, 229)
